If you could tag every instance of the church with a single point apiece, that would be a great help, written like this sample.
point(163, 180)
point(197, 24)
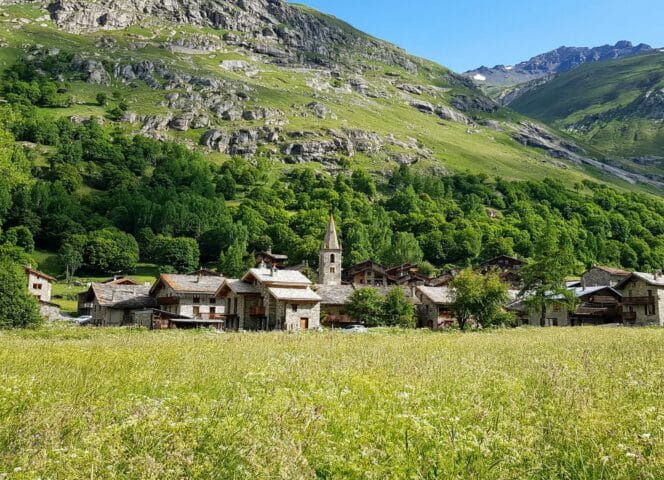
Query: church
point(269, 298)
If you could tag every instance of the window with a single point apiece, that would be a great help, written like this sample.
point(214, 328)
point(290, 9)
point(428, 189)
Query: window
point(213, 310)
point(294, 307)
point(213, 301)
point(36, 286)
point(333, 270)
point(197, 299)
point(650, 309)
point(197, 311)
point(333, 258)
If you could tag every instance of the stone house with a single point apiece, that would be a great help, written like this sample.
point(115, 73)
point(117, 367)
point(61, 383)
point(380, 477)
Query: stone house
point(594, 306)
point(334, 299)
point(643, 299)
point(369, 274)
point(40, 286)
point(408, 275)
point(268, 259)
point(191, 296)
point(506, 267)
point(597, 305)
point(435, 307)
point(85, 306)
point(603, 276)
point(270, 299)
point(115, 305)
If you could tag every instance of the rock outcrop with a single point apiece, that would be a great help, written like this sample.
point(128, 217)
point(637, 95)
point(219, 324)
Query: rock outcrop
point(277, 29)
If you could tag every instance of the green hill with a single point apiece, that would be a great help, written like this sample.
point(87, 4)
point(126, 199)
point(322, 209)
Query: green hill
point(273, 80)
point(614, 106)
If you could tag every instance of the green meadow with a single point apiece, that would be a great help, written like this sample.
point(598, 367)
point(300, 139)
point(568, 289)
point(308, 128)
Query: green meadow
point(526, 403)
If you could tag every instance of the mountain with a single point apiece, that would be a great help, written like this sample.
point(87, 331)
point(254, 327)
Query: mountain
point(616, 107)
point(501, 81)
point(268, 79)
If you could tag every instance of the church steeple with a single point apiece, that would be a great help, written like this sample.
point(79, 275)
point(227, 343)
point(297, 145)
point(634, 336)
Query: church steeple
point(331, 240)
point(329, 268)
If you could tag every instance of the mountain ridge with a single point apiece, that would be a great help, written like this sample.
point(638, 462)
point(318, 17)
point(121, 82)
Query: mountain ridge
point(506, 83)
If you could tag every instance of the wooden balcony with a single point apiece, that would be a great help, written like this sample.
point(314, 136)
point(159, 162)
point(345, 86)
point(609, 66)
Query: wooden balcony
point(638, 300)
point(257, 312)
point(211, 316)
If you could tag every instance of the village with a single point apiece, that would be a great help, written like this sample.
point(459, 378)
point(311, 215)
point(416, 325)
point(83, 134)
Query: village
point(274, 296)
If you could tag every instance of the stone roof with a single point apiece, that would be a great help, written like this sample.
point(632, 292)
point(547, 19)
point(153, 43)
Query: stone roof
point(190, 284)
point(108, 294)
point(294, 294)
point(649, 278)
point(334, 294)
point(277, 277)
point(37, 273)
point(240, 287)
point(613, 270)
point(437, 295)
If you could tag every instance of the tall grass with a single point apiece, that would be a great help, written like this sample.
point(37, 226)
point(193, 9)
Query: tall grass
point(544, 404)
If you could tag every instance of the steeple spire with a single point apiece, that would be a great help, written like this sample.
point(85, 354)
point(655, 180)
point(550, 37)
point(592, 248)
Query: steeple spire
point(331, 240)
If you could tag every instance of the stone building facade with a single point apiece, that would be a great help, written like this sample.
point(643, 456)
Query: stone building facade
point(599, 276)
point(643, 299)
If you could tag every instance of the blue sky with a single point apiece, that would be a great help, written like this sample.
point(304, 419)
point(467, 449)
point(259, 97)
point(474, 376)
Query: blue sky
point(464, 34)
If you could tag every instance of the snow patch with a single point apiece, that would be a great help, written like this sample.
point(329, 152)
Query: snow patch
point(479, 78)
point(509, 68)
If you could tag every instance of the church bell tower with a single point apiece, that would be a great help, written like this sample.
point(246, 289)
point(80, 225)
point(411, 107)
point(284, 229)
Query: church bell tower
point(329, 266)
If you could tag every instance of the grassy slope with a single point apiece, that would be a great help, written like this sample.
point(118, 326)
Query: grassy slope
point(453, 145)
point(599, 88)
point(559, 403)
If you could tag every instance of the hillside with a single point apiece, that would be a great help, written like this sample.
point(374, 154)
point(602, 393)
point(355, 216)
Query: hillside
point(615, 106)
point(505, 83)
point(284, 82)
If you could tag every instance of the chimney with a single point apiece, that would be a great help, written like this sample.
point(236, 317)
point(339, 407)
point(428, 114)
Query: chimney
point(274, 271)
point(262, 264)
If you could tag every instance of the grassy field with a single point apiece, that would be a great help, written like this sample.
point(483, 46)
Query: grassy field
point(544, 404)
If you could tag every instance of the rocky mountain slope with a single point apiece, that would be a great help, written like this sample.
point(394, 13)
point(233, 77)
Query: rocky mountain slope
point(616, 107)
point(506, 83)
point(267, 79)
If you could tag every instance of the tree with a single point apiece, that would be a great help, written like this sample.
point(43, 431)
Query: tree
point(477, 296)
point(398, 310)
point(404, 249)
point(18, 309)
point(111, 251)
point(366, 306)
point(544, 281)
point(101, 99)
point(21, 237)
point(71, 255)
point(180, 253)
point(232, 263)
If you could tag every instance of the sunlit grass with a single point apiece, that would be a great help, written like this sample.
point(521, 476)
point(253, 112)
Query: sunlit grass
point(557, 403)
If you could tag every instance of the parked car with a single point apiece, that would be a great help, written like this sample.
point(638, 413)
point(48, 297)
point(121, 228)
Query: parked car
point(355, 329)
point(83, 320)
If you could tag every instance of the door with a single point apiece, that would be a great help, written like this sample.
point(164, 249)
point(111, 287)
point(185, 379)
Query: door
point(304, 324)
